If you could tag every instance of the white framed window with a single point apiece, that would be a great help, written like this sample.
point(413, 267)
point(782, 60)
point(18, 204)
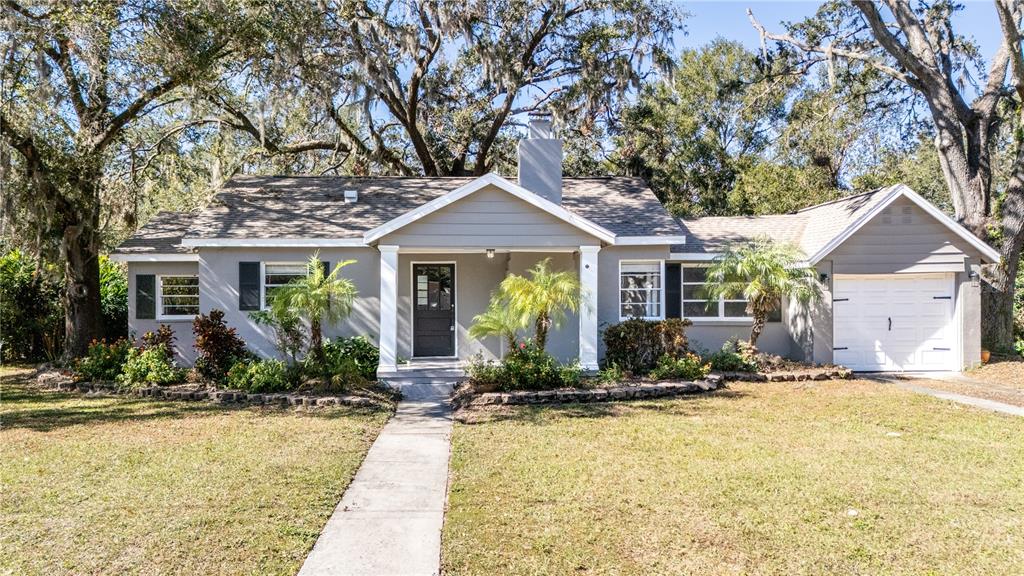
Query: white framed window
point(177, 297)
point(641, 289)
point(276, 275)
point(696, 306)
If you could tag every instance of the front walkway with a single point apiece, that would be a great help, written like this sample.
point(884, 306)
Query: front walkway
point(974, 401)
point(389, 520)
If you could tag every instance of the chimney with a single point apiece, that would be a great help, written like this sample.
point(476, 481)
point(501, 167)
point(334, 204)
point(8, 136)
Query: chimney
point(540, 159)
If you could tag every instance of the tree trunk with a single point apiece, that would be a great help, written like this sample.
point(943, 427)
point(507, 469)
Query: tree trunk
point(81, 299)
point(316, 339)
point(756, 328)
point(998, 292)
point(542, 324)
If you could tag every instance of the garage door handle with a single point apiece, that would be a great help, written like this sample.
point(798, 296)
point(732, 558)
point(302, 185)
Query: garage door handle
point(890, 324)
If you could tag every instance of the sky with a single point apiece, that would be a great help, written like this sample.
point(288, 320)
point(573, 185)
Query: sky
point(728, 19)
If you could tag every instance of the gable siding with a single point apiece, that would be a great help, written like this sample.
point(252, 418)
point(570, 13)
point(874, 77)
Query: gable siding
point(489, 218)
point(902, 239)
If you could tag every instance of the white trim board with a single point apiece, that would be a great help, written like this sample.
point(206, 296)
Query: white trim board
point(648, 240)
point(479, 184)
point(274, 242)
point(154, 257)
point(897, 191)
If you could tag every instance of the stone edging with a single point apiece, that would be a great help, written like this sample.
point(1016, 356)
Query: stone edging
point(586, 395)
point(803, 376)
point(65, 384)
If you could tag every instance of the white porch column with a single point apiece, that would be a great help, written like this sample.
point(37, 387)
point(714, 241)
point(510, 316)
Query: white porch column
point(588, 307)
point(388, 309)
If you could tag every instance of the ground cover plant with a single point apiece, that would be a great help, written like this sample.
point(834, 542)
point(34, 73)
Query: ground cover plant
point(852, 477)
point(121, 485)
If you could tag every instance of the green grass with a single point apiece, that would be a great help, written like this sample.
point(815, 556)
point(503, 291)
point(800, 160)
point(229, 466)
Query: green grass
point(113, 485)
point(826, 478)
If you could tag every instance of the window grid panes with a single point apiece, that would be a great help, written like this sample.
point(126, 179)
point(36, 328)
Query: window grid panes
point(179, 296)
point(277, 275)
point(696, 306)
point(640, 289)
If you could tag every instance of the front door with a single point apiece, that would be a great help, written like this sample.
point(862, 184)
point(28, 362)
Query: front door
point(433, 316)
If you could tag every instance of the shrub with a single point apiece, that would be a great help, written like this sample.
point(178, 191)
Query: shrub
point(732, 358)
point(163, 338)
point(149, 366)
point(635, 345)
point(103, 361)
point(289, 333)
point(687, 367)
point(219, 346)
point(528, 367)
point(365, 355)
point(611, 374)
point(113, 298)
point(31, 316)
point(262, 376)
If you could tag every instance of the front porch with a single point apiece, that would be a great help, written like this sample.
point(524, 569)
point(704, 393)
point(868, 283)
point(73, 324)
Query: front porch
point(429, 296)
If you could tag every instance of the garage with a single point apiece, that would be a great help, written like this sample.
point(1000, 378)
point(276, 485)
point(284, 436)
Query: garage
point(895, 322)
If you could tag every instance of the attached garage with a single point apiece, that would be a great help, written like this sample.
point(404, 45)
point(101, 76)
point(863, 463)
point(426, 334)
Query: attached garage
point(896, 322)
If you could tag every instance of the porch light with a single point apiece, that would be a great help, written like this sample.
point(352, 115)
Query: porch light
point(490, 253)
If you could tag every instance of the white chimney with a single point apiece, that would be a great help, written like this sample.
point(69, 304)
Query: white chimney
point(351, 196)
point(540, 159)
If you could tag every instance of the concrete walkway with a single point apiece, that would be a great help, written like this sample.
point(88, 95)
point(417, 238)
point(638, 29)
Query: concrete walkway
point(389, 520)
point(962, 399)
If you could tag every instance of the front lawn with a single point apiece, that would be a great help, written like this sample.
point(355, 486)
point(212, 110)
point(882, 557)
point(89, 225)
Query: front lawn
point(849, 477)
point(116, 485)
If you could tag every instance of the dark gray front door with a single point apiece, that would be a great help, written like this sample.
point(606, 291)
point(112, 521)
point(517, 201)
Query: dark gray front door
point(433, 316)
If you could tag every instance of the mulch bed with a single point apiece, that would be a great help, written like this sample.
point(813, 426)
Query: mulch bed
point(63, 382)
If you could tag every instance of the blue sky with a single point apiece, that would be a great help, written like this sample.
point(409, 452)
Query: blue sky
point(728, 18)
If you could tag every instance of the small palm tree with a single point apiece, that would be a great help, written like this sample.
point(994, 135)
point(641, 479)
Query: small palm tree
point(762, 272)
point(319, 297)
point(498, 320)
point(545, 297)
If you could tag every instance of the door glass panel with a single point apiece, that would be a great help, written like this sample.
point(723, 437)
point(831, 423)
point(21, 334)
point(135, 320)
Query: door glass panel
point(433, 288)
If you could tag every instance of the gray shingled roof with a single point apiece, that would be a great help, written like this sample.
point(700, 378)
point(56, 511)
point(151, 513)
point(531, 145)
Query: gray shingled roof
point(809, 229)
point(161, 235)
point(313, 207)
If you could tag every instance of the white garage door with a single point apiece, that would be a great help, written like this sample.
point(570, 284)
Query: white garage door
point(894, 323)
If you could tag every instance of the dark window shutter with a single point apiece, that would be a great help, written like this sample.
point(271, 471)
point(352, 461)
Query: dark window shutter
point(673, 290)
point(248, 285)
point(145, 296)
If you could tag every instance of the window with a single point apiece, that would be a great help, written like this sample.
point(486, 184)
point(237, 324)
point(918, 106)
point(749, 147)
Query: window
point(178, 297)
point(696, 306)
point(640, 289)
point(276, 275)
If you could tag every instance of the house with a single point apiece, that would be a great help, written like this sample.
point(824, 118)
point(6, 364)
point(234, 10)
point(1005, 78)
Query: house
point(901, 278)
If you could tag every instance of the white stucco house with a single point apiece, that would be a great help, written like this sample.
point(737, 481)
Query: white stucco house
point(901, 278)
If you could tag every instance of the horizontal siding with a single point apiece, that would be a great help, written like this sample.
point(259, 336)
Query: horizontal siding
point(903, 239)
point(489, 218)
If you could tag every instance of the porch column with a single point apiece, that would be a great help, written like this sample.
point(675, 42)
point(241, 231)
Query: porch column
point(588, 307)
point(388, 309)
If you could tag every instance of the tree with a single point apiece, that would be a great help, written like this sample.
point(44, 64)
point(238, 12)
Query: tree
point(499, 319)
point(692, 133)
point(429, 88)
point(763, 273)
point(544, 297)
point(77, 76)
point(319, 297)
point(779, 188)
point(916, 46)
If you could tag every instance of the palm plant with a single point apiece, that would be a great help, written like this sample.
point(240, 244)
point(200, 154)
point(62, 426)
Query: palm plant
point(319, 297)
point(545, 297)
point(498, 320)
point(762, 273)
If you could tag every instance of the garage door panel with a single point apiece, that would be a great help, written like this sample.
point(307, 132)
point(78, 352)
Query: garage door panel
point(894, 323)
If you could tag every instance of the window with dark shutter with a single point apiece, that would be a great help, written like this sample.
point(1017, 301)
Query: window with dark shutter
point(673, 290)
point(145, 296)
point(248, 285)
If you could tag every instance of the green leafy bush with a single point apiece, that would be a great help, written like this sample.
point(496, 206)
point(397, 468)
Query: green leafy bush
point(262, 376)
point(732, 358)
point(113, 298)
point(365, 355)
point(219, 346)
point(149, 366)
point(163, 338)
point(31, 316)
point(687, 367)
point(528, 367)
point(635, 345)
point(103, 361)
point(289, 333)
point(611, 374)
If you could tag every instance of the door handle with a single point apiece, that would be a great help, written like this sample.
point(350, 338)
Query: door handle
point(890, 324)
point(451, 328)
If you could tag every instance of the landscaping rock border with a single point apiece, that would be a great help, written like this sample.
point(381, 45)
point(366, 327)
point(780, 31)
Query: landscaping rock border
point(586, 395)
point(831, 373)
point(63, 383)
